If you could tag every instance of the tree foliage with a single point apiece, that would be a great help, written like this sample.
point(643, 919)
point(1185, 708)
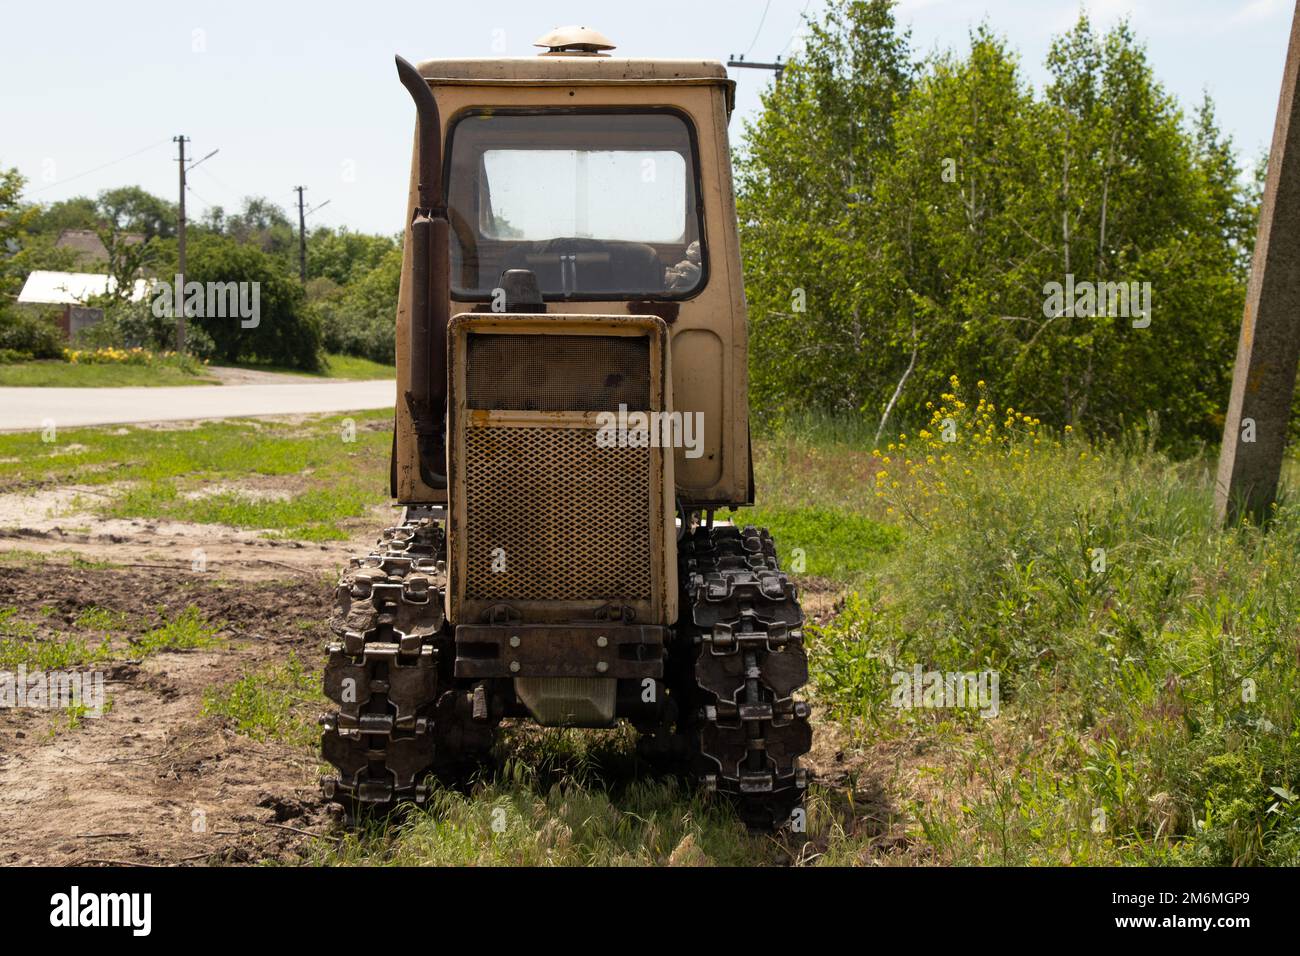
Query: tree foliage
point(360, 318)
point(919, 211)
point(285, 333)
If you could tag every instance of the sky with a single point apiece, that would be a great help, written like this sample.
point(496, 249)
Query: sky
point(290, 94)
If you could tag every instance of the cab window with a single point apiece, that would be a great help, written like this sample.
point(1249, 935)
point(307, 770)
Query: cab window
point(596, 205)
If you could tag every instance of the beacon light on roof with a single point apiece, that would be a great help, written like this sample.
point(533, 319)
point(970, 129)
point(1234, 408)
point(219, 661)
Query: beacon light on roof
point(574, 41)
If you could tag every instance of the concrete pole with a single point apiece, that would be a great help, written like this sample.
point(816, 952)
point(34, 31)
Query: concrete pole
point(1263, 381)
point(302, 238)
point(180, 247)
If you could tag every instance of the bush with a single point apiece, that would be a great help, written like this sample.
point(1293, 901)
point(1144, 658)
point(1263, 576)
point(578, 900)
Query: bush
point(360, 319)
point(132, 325)
point(30, 335)
point(345, 330)
point(286, 333)
point(127, 325)
point(132, 356)
point(1147, 658)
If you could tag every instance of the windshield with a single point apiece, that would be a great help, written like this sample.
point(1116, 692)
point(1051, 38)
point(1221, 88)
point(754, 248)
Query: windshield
point(596, 205)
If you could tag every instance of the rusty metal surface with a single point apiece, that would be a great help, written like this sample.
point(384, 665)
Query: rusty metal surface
point(548, 373)
point(715, 317)
point(425, 390)
point(550, 516)
point(542, 517)
point(573, 650)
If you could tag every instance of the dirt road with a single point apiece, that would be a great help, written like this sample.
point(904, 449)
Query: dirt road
point(33, 409)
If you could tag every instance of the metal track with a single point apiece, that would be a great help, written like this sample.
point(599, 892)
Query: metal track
point(389, 672)
point(742, 619)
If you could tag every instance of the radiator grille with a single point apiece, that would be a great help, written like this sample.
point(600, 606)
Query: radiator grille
point(570, 518)
point(556, 373)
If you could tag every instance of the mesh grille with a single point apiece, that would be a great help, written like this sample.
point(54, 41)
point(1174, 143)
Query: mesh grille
point(571, 518)
point(557, 373)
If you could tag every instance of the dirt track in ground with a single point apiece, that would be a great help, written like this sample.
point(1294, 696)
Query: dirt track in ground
point(152, 780)
point(47, 522)
point(128, 787)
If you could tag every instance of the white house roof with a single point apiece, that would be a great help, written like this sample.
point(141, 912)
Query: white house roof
point(72, 288)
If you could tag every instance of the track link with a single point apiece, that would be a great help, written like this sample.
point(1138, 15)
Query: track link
point(389, 673)
point(741, 616)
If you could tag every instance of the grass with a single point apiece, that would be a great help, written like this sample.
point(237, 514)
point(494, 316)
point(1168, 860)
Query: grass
point(100, 635)
point(354, 367)
point(188, 630)
point(19, 646)
point(55, 373)
point(1148, 698)
point(834, 543)
point(559, 798)
point(280, 702)
point(287, 479)
point(335, 366)
point(1148, 661)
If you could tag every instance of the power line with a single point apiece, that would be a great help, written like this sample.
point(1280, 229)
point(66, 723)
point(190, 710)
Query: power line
point(761, 21)
point(225, 190)
point(198, 195)
point(64, 182)
point(795, 31)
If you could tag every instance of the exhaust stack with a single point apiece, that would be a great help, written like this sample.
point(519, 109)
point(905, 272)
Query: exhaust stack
point(430, 287)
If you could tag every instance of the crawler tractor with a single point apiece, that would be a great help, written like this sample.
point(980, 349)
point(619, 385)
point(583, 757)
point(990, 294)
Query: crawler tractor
point(572, 411)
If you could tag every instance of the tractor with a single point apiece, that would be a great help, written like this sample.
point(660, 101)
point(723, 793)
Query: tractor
point(572, 414)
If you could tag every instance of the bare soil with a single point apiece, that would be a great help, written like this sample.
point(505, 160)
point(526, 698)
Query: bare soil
point(152, 781)
point(48, 521)
point(155, 782)
point(226, 375)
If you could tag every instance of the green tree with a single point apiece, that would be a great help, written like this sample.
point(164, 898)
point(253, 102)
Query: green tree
point(262, 223)
point(286, 333)
point(343, 255)
point(128, 209)
point(360, 318)
point(804, 186)
point(79, 212)
point(15, 218)
point(927, 247)
point(20, 330)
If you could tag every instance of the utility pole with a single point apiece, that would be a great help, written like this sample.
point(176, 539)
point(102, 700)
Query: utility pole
point(1268, 351)
point(303, 213)
point(739, 62)
point(302, 236)
point(179, 307)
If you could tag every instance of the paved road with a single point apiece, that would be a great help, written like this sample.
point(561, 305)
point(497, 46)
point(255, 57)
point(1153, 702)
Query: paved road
point(29, 409)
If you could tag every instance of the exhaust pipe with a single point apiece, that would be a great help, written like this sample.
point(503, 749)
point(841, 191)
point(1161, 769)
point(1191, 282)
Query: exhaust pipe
point(430, 287)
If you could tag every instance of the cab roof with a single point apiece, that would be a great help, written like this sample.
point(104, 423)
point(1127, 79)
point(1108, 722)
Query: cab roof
point(578, 70)
point(552, 68)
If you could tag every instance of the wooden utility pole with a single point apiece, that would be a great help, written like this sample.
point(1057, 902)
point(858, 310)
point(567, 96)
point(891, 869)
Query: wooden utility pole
point(179, 307)
point(302, 236)
point(1263, 381)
